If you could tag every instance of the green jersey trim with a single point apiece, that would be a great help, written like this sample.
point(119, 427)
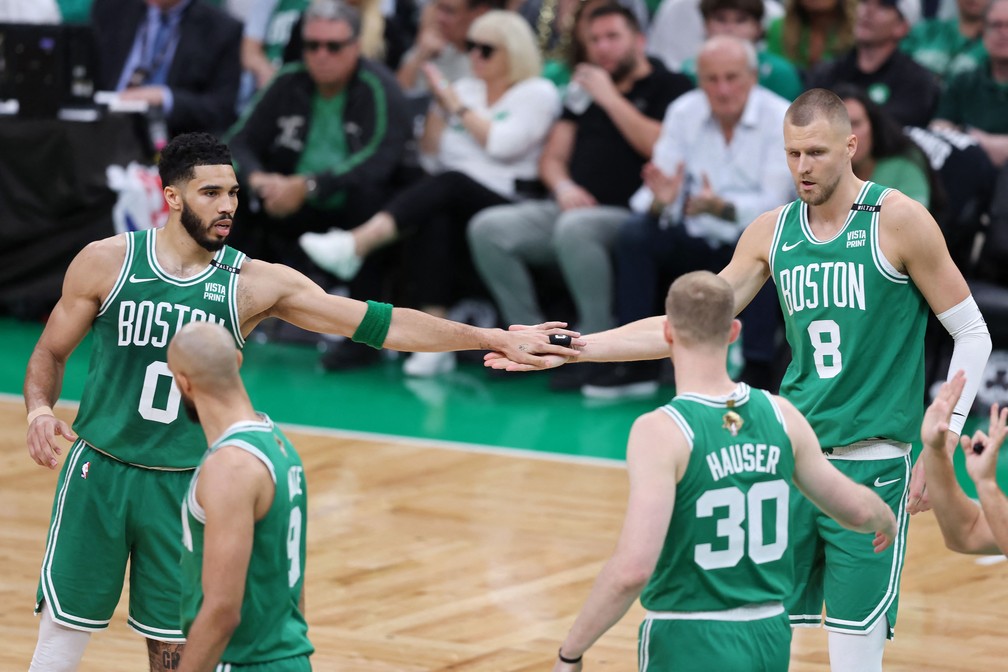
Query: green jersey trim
point(883, 265)
point(807, 228)
point(123, 274)
point(740, 395)
point(683, 425)
point(168, 277)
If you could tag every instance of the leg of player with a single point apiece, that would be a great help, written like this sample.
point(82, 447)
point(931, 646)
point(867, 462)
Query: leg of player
point(59, 648)
point(164, 656)
point(861, 652)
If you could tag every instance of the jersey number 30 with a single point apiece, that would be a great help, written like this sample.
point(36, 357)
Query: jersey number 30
point(740, 507)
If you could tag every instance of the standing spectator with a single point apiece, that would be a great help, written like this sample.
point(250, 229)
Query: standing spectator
point(716, 166)
point(812, 31)
point(320, 147)
point(182, 56)
point(744, 19)
point(904, 88)
point(442, 41)
point(948, 47)
point(976, 101)
point(487, 134)
point(591, 164)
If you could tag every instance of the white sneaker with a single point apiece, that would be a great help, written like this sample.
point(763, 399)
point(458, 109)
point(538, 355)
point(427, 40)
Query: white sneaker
point(333, 252)
point(427, 364)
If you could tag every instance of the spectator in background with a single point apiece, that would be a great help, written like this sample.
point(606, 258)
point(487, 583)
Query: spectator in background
point(591, 164)
point(487, 133)
point(744, 19)
point(180, 55)
point(442, 41)
point(716, 166)
point(976, 101)
point(320, 148)
point(812, 31)
point(884, 154)
point(904, 88)
point(948, 47)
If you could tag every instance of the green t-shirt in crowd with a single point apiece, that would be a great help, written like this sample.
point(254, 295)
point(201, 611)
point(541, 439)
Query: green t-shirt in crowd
point(904, 174)
point(325, 147)
point(775, 45)
point(941, 48)
point(974, 100)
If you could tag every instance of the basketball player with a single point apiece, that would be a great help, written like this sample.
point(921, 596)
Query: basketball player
point(706, 531)
point(243, 519)
point(966, 527)
point(118, 493)
point(856, 265)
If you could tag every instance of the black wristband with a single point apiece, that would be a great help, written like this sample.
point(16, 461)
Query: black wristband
point(569, 661)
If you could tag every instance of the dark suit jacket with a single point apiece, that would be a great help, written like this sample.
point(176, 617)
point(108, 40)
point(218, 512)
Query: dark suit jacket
point(205, 70)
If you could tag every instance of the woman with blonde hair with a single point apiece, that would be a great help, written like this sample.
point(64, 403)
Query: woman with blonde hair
point(483, 138)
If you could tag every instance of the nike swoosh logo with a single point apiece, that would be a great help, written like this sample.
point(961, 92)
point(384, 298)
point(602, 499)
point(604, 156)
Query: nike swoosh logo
point(786, 247)
point(133, 279)
point(879, 484)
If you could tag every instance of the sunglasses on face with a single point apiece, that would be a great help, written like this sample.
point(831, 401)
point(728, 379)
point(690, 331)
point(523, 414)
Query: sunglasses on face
point(332, 46)
point(485, 50)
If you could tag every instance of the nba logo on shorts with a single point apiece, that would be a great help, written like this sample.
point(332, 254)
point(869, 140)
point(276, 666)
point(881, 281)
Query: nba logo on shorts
point(84, 469)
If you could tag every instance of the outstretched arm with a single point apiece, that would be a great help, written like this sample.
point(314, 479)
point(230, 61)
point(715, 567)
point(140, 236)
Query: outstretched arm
point(963, 524)
point(981, 462)
point(853, 506)
point(656, 455)
point(273, 290)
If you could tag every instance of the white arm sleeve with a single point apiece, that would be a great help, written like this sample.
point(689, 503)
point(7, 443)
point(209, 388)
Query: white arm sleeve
point(972, 348)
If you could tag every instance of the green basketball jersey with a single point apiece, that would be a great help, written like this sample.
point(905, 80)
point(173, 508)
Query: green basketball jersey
point(727, 543)
point(130, 406)
point(272, 626)
point(855, 325)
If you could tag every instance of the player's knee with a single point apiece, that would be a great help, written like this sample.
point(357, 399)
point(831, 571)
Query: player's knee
point(59, 648)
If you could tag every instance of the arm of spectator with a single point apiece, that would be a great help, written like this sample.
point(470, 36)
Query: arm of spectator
point(213, 107)
point(254, 60)
point(428, 45)
point(553, 168)
point(638, 129)
point(434, 125)
point(995, 144)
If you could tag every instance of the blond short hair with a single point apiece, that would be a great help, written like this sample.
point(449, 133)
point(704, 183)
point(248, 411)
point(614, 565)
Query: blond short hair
point(816, 104)
point(514, 35)
point(700, 306)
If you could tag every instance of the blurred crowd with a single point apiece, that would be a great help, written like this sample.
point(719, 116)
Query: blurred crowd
point(558, 159)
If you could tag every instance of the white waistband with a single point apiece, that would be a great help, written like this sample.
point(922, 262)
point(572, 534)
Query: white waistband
point(870, 449)
point(750, 612)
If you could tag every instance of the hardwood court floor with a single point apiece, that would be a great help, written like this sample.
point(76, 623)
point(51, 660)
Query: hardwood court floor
point(423, 558)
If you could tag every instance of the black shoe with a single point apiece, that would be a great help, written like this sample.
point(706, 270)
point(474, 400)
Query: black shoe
point(571, 377)
point(346, 354)
point(623, 380)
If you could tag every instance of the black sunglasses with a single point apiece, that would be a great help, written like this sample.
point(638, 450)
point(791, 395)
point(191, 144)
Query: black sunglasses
point(485, 50)
point(332, 46)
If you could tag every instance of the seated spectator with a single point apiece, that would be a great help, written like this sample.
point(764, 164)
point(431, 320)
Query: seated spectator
point(812, 31)
point(948, 47)
point(717, 165)
point(441, 41)
point(487, 134)
point(554, 23)
point(591, 164)
point(885, 155)
point(975, 101)
point(744, 20)
point(320, 147)
point(180, 55)
point(904, 88)
point(559, 68)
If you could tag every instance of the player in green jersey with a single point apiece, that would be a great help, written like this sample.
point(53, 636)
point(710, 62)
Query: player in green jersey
point(855, 267)
point(966, 527)
point(243, 519)
point(121, 484)
point(706, 533)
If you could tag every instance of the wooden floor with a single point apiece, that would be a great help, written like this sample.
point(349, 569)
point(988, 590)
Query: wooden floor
point(422, 558)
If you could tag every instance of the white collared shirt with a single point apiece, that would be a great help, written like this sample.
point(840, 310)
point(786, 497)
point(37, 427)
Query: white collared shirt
point(751, 172)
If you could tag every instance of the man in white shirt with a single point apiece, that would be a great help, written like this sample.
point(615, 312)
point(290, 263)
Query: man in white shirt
point(715, 167)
